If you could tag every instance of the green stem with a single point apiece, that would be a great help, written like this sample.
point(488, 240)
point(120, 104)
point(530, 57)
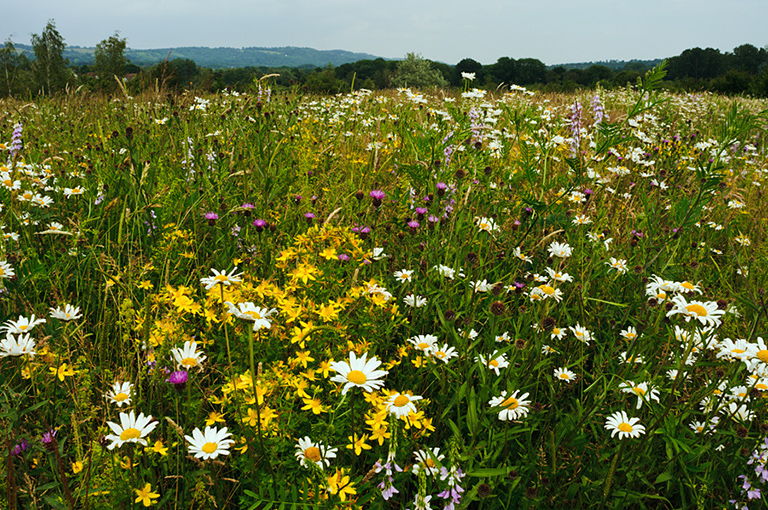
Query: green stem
point(258, 407)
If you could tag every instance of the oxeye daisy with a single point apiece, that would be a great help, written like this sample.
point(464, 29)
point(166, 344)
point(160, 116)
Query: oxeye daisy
point(629, 334)
point(188, 357)
point(560, 250)
point(69, 313)
point(414, 301)
point(444, 353)
point(425, 460)
point(582, 334)
point(642, 390)
point(209, 444)
point(252, 313)
point(564, 375)
point(558, 276)
point(308, 452)
point(619, 265)
point(513, 406)
point(221, 278)
point(120, 393)
point(400, 404)
point(132, 429)
point(404, 275)
point(19, 346)
point(494, 362)
point(739, 350)
point(6, 270)
point(22, 325)
point(423, 342)
point(486, 224)
point(358, 372)
point(621, 424)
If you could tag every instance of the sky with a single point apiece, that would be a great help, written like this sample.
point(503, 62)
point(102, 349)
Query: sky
point(553, 31)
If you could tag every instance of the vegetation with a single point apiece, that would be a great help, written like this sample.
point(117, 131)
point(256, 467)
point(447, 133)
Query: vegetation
point(401, 299)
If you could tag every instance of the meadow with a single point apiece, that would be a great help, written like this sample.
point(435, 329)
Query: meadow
point(406, 299)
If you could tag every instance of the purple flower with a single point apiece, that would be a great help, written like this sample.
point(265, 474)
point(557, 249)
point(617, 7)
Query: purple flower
point(20, 448)
point(16, 143)
point(413, 225)
point(260, 225)
point(343, 257)
point(309, 216)
point(420, 212)
point(377, 196)
point(441, 188)
point(178, 379)
point(49, 440)
point(211, 217)
point(247, 208)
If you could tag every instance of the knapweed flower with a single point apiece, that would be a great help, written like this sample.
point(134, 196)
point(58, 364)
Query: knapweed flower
point(120, 393)
point(221, 278)
point(18, 346)
point(69, 313)
point(401, 404)
point(209, 444)
point(513, 407)
point(377, 196)
point(132, 429)
point(358, 372)
point(621, 424)
point(178, 379)
point(259, 225)
point(188, 357)
point(707, 313)
point(211, 217)
point(252, 313)
point(308, 452)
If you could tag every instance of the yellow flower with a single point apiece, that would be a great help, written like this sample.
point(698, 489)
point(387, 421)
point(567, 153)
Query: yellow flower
point(325, 367)
point(303, 357)
point(301, 385)
point(77, 467)
point(328, 312)
point(146, 285)
point(304, 272)
point(126, 463)
point(214, 417)
point(185, 304)
point(158, 448)
point(62, 372)
point(314, 405)
point(358, 444)
point(380, 434)
point(340, 484)
point(328, 253)
point(145, 495)
point(253, 415)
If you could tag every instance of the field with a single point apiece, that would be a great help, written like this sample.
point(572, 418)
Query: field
point(408, 299)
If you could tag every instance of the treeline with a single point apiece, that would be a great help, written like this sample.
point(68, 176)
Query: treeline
point(742, 71)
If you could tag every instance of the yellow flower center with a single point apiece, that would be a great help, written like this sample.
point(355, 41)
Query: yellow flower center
point(625, 427)
point(253, 314)
point(556, 331)
point(189, 362)
point(686, 285)
point(493, 363)
point(699, 428)
point(209, 447)
point(440, 354)
point(130, 433)
point(221, 278)
point(120, 397)
point(564, 376)
point(429, 463)
point(401, 400)
point(423, 345)
point(313, 453)
point(697, 309)
point(762, 355)
point(639, 390)
point(546, 289)
point(8, 182)
point(761, 386)
point(484, 226)
point(511, 403)
point(357, 377)
point(738, 351)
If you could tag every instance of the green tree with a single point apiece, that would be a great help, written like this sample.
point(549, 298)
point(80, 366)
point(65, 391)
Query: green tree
point(110, 60)
point(50, 66)
point(13, 67)
point(417, 72)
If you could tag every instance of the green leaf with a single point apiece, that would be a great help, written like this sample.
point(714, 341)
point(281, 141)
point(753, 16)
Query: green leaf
point(489, 472)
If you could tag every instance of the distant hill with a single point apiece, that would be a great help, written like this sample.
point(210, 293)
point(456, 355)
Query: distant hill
point(217, 58)
point(615, 65)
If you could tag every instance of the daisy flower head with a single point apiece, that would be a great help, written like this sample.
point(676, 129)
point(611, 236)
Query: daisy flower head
point(19, 346)
point(404, 275)
point(582, 334)
point(494, 362)
point(546, 291)
point(558, 276)
point(308, 452)
point(687, 287)
point(414, 301)
point(564, 375)
point(707, 313)
point(560, 250)
point(22, 325)
point(120, 393)
point(260, 317)
point(486, 224)
point(619, 265)
point(402, 404)
point(444, 353)
point(738, 350)
point(358, 372)
point(513, 407)
point(69, 313)
point(621, 424)
point(423, 342)
point(520, 255)
point(425, 460)
point(6, 270)
point(132, 429)
point(221, 278)
point(643, 391)
point(209, 444)
point(581, 219)
point(188, 356)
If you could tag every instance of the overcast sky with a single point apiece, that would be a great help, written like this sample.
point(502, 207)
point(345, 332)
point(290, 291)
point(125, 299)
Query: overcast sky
point(554, 31)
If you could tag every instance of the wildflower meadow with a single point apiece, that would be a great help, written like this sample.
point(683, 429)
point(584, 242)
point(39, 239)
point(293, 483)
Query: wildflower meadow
point(488, 299)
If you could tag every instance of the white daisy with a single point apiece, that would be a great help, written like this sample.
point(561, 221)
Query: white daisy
point(188, 357)
point(358, 372)
point(132, 429)
point(401, 404)
point(120, 393)
point(621, 424)
point(514, 406)
point(19, 346)
point(69, 313)
point(209, 444)
point(221, 278)
point(308, 452)
point(252, 313)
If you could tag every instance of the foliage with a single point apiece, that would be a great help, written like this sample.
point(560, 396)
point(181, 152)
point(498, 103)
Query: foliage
point(415, 71)
point(109, 61)
point(50, 66)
